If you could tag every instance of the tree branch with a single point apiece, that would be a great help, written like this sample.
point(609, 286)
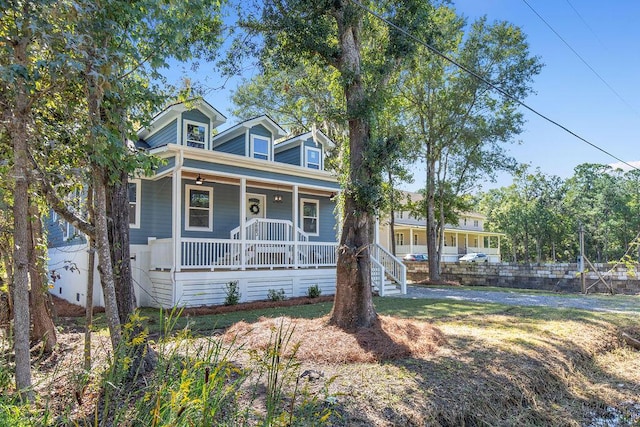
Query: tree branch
point(56, 203)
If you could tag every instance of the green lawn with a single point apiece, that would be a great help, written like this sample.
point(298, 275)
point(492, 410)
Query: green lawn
point(432, 310)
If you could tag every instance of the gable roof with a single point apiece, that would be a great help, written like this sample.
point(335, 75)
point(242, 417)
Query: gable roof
point(317, 136)
point(173, 111)
point(241, 127)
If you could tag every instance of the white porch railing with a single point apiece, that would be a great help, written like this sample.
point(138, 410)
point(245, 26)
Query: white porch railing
point(227, 254)
point(391, 265)
point(269, 229)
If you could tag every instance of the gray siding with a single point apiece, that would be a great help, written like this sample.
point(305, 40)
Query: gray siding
point(226, 209)
point(261, 131)
point(169, 163)
point(290, 156)
point(54, 231)
point(196, 116)
point(166, 135)
point(233, 146)
point(252, 173)
point(155, 212)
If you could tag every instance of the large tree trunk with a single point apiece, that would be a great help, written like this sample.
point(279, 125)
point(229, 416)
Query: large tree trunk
point(43, 328)
point(432, 231)
point(118, 214)
point(353, 304)
point(19, 132)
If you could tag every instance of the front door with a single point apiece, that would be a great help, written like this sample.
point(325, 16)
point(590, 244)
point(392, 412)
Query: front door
point(256, 206)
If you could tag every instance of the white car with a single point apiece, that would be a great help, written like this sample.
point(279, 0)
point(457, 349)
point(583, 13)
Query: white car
point(474, 257)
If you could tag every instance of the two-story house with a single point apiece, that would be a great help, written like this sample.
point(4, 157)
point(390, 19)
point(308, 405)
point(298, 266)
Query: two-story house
point(467, 236)
point(247, 206)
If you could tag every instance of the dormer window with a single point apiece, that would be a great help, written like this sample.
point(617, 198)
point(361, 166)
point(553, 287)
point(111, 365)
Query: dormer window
point(195, 134)
point(312, 158)
point(260, 147)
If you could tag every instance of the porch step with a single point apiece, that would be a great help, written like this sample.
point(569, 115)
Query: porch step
point(390, 288)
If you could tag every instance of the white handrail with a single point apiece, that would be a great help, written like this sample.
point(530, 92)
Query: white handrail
point(392, 265)
point(378, 275)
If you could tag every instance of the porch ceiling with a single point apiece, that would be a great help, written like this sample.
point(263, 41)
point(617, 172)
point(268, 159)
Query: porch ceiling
point(209, 176)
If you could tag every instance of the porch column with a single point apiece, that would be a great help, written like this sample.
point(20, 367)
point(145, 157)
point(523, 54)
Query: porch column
point(411, 251)
point(377, 232)
point(243, 222)
point(177, 220)
point(294, 219)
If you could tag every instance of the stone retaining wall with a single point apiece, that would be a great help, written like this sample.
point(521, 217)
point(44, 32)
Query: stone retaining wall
point(551, 277)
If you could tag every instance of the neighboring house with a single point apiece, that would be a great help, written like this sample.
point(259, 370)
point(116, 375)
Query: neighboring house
point(246, 206)
point(466, 237)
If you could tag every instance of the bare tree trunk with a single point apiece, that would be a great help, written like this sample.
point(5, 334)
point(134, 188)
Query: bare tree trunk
point(432, 235)
point(353, 304)
point(18, 131)
point(392, 213)
point(104, 256)
point(88, 313)
point(43, 328)
point(118, 214)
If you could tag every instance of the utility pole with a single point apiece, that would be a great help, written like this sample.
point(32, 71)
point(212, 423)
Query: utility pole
point(581, 264)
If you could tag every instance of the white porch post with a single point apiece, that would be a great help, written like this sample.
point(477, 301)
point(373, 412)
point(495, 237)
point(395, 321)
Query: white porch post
point(243, 221)
point(294, 218)
point(411, 251)
point(177, 219)
point(377, 232)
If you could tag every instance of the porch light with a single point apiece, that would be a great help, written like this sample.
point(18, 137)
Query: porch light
point(277, 198)
point(199, 180)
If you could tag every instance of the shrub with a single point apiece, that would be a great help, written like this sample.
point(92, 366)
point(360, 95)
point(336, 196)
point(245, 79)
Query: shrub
point(274, 295)
point(232, 293)
point(313, 291)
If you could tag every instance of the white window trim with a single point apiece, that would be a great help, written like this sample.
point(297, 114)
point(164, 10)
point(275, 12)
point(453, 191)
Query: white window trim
point(66, 231)
point(138, 184)
point(400, 240)
point(252, 146)
point(306, 157)
point(302, 217)
point(185, 123)
point(187, 193)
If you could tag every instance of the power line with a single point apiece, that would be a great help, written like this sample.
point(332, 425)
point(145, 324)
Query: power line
point(584, 61)
point(487, 82)
point(585, 23)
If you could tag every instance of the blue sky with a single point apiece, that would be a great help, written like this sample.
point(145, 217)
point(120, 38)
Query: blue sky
point(607, 37)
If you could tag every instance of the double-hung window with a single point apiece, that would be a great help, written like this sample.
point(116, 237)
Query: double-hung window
point(199, 208)
point(134, 203)
point(195, 134)
point(260, 147)
point(313, 158)
point(310, 215)
point(400, 239)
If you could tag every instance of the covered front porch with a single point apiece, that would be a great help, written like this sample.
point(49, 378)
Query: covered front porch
point(413, 240)
point(272, 244)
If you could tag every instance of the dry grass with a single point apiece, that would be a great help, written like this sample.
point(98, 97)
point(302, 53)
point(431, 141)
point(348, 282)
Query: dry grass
point(391, 338)
point(513, 368)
